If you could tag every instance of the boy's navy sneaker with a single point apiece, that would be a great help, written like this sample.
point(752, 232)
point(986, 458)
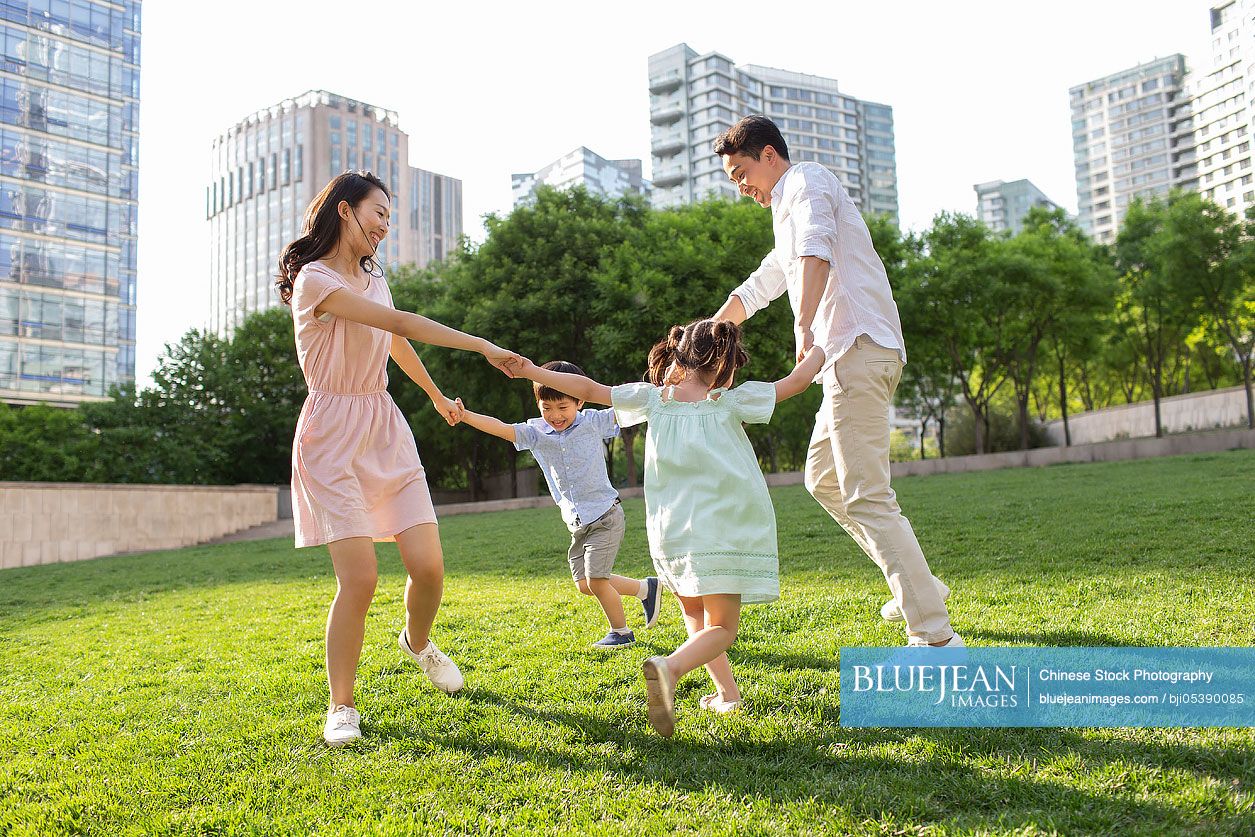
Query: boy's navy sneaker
point(614, 640)
point(652, 603)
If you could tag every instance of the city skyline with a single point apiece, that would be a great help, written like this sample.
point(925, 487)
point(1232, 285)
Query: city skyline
point(482, 103)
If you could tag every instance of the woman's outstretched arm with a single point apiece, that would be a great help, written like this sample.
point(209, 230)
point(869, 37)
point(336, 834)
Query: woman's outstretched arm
point(344, 303)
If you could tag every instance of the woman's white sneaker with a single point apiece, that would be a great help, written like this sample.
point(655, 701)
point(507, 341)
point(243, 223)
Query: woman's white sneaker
point(440, 670)
point(344, 726)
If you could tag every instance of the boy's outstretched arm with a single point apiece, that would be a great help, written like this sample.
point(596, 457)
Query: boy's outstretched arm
point(797, 381)
point(487, 424)
point(576, 386)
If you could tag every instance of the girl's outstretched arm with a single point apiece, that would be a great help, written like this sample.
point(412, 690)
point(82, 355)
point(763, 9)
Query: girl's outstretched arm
point(797, 381)
point(576, 386)
point(342, 303)
point(406, 358)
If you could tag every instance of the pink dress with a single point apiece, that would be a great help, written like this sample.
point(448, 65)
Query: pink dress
point(355, 469)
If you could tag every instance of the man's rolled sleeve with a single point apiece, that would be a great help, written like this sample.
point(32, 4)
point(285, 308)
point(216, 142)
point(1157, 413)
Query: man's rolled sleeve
point(763, 285)
point(814, 225)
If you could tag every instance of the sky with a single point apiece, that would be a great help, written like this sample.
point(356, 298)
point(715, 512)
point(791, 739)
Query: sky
point(979, 92)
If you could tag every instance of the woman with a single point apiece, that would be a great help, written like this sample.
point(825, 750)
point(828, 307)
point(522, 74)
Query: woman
point(356, 475)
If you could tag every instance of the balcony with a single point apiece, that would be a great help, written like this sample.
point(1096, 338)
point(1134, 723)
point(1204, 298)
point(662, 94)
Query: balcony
point(665, 82)
point(669, 176)
point(666, 112)
point(664, 145)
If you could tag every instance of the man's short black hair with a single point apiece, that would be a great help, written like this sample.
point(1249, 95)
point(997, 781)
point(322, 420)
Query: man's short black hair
point(750, 136)
point(544, 393)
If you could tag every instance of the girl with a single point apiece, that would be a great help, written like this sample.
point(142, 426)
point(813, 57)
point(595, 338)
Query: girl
point(712, 528)
point(356, 475)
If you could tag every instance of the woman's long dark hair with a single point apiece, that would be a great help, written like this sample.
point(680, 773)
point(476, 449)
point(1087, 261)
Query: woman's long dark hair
point(712, 347)
point(321, 232)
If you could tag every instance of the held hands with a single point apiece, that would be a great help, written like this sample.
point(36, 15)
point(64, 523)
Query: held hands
point(522, 368)
point(804, 340)
point(450, 410)
point(503, 359)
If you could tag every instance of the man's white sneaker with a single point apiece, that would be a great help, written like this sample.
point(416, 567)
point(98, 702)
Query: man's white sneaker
point(344, 726)
point(955, 641)
point(443, 672)
point(890, 611)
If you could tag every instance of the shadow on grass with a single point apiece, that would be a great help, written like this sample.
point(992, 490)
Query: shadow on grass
point(1085, 639)
point(842, 768)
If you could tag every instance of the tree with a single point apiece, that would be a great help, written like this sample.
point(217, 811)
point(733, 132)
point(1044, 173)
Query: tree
point(958, 300)
point(263, 394)
point(43, 444)
point(1158, 288)
point(1061, 310)
point(1219, 251)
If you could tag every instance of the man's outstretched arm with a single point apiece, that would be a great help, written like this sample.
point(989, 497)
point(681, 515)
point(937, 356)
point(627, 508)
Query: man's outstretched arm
point(755, 293)
point(733, 310)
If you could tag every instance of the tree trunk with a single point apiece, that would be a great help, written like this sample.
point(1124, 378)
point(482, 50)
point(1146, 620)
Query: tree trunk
point(514, 473)
point(1187, 371)
point(1250, 405)
point(1063, 403)
point(472, 476)
point(941, 435)
point(1023, 418)
point(978, 431)
point(629, 454)
point(1156, 388)
point(923, 429)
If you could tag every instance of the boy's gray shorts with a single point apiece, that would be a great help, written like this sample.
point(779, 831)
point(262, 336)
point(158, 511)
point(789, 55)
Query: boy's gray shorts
point(595, 545)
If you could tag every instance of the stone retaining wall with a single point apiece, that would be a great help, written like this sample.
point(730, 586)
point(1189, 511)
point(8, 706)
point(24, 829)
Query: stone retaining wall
point(46, 523)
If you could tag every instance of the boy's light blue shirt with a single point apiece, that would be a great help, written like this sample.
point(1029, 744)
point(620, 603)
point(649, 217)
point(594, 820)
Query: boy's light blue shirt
point(574, 463)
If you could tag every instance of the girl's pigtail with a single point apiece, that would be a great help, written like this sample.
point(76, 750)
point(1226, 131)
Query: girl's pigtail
point(662, 356)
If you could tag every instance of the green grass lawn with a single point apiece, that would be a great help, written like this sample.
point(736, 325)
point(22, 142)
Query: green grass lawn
point(184, 692)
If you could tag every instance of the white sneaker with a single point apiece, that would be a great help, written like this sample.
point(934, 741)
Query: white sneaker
point(344, 725)
point(442, 671)
point(890, 611)
point(716, 704)
point(955, 641)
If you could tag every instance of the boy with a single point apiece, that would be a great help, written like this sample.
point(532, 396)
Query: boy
point(567, 442)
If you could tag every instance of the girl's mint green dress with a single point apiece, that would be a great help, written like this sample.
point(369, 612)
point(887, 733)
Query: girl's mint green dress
point(712, 528)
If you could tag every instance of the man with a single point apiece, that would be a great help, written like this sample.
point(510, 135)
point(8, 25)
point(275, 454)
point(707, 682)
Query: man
point(841, 301)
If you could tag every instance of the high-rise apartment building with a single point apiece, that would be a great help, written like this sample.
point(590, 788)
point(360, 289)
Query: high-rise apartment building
point(693, 98)
point(1224, 104)
point(1002, 206)
point(581, 167)
point(1132, 136)
point(268, 168)
point(68, 173)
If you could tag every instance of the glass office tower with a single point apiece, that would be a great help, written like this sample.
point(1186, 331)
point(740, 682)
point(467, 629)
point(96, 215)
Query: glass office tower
point(69, 122)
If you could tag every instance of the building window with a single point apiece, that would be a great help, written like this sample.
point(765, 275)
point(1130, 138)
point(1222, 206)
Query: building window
point(287, 166)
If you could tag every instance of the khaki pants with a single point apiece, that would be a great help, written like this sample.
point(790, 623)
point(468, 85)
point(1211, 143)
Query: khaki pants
point(847, 471)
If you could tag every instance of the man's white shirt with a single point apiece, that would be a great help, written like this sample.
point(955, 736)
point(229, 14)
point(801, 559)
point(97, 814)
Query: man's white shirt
point(813, 215)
